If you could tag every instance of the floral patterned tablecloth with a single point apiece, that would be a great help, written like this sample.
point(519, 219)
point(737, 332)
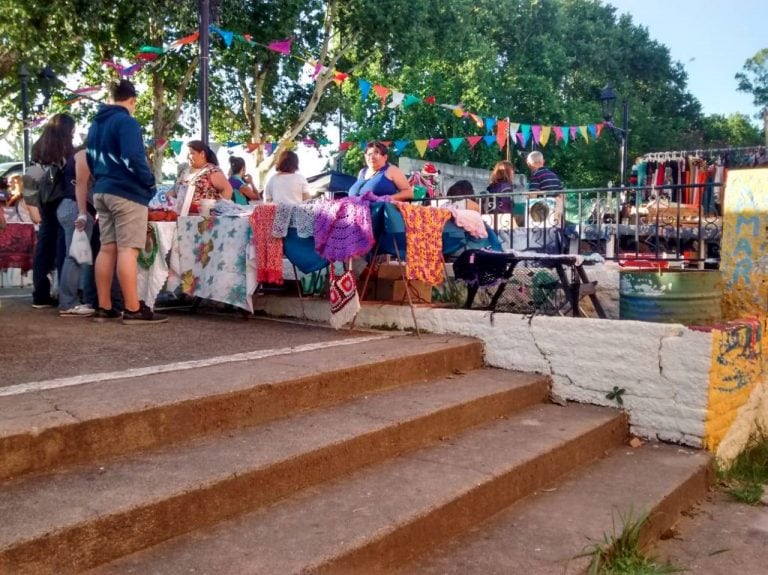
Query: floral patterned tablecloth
point(207, 257)
point(216, 259)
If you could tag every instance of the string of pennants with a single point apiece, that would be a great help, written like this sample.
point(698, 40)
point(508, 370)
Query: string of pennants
point(497, 131)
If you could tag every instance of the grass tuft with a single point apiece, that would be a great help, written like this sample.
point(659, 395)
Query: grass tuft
point(622, 554)
point(748, 473)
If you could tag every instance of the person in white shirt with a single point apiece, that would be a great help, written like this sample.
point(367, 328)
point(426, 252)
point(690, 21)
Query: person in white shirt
point(286, 186)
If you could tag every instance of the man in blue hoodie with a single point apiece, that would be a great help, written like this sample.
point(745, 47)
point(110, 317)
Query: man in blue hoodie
point(123, 185)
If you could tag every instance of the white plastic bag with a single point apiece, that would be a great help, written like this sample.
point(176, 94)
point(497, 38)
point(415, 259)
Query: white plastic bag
point(80, 249)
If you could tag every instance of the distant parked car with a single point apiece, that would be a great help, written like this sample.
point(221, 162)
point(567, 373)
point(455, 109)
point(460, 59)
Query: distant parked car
point(8, 169)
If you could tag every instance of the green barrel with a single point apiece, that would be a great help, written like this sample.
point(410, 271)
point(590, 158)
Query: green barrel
point(689, 297)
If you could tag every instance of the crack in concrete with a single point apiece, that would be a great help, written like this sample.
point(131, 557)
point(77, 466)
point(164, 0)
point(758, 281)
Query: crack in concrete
point(62, 410)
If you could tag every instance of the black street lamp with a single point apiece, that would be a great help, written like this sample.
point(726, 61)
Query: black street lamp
point(204, 17)
point(24, 77)
point(608, 104)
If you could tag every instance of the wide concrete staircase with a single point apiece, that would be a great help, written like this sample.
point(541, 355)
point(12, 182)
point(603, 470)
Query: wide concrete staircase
point(402, 454)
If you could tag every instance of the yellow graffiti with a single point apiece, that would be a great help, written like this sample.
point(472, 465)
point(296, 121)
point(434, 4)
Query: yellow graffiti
point(744, 245)
point(736, 368)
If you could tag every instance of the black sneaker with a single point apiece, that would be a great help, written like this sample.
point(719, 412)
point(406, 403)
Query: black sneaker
point(42, 304)
point(143, 315)
point(101, 315)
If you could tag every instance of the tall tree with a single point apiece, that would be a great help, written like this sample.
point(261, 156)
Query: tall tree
point(754, 80)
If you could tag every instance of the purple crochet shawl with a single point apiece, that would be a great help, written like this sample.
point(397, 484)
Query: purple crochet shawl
point(343, 229)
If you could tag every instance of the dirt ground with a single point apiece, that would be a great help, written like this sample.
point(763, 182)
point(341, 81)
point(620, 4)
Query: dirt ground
point(720, 536)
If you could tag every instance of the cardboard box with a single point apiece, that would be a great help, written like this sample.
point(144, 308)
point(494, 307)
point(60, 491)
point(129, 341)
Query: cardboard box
point(394, 290)
point(391, 271)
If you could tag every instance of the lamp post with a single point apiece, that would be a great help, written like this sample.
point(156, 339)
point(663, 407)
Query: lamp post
point(204, 9)
point(24, 77)
point(608, 104)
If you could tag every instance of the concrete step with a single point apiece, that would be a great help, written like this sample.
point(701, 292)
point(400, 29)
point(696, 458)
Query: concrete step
point(379, 516)
point(54, 425)
point(545, 532)
point(71, 520)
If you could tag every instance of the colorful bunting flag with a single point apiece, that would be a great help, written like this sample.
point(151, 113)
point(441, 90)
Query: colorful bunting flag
point(536, 132)
point(435, 142)
point(176, 146)
point(502, 133)
point(281, 46)
point(397, 99)
point(410, 99)
point(584, 133)
point(489, 140)
point(473, 140)
point(455, 143)
point(400, 146)
point(544, 135)
point(382, 92)
point(421, 146)
point(489, 123)
point(227, 35)
point(365, 88)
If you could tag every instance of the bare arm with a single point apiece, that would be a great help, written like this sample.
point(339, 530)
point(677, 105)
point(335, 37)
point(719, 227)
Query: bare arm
point(249, 190)
point(82, 183)
point(404, 189)
point(221, 183)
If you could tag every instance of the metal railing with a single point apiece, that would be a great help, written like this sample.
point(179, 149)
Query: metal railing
point(652, 222)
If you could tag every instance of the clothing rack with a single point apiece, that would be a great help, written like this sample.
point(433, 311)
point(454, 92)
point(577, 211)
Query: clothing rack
point(679, 154)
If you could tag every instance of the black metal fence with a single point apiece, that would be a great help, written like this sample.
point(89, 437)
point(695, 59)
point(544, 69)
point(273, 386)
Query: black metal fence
point(673, 222)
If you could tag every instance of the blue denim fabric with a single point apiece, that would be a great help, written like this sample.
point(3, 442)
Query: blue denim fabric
point(73, 273)
point(46, 250)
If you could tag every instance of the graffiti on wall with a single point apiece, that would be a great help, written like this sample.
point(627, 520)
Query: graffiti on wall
point(735, 370)
point(744, 247)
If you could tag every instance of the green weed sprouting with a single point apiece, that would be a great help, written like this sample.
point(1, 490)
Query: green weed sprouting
point(748, 473)
point(622, 554)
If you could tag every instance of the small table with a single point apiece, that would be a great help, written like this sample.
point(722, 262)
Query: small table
point(481, 268)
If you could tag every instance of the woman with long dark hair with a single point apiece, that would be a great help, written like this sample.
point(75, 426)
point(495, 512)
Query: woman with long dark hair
point(53, 148)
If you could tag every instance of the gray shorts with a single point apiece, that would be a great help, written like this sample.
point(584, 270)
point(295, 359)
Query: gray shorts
point(121, 221)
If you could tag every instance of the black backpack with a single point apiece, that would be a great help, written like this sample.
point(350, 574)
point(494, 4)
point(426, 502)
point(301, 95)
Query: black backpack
point(51, 187)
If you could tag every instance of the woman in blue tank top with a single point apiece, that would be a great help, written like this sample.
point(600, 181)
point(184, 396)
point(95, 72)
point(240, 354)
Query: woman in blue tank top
point(380, 177)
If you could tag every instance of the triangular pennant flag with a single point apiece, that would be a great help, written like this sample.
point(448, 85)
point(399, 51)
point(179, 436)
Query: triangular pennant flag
point(489, 140)
point(227, 35)
point(131, 70)
point(410, 100)
point(525, 132)
point(382, 92)
point(513, 127)
point(489, 123)
point(247, 38)
point(179, 42)
point(536, 132)
point(573, 130)
point(363, 146)
point(230, 144)
point(455, 143)
point(421, 146)
point(558, 133)
point(584, 133)
point(309, 142)
point(214, 146)
point(397, 99)
point(502, 133)
point(400, 146)
point(544, 136)
point(251, 146)
point(117, 67)
point(592, 129)
point(269, 147)
point(160, 144)
point(147, 56)
point(176, 146)
point(430, 100)
point(339, 77)
point(598, 129)
point(282, 46)
point(344, 146)
point(319, 69)
point(435, 142)
point(365, 88)
point(152, 49)
point(476, 119)
point(473, 140)
point(566, 134)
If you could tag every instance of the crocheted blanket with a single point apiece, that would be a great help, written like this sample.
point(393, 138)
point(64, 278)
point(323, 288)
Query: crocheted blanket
point(269, 249)
point(343, 228)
